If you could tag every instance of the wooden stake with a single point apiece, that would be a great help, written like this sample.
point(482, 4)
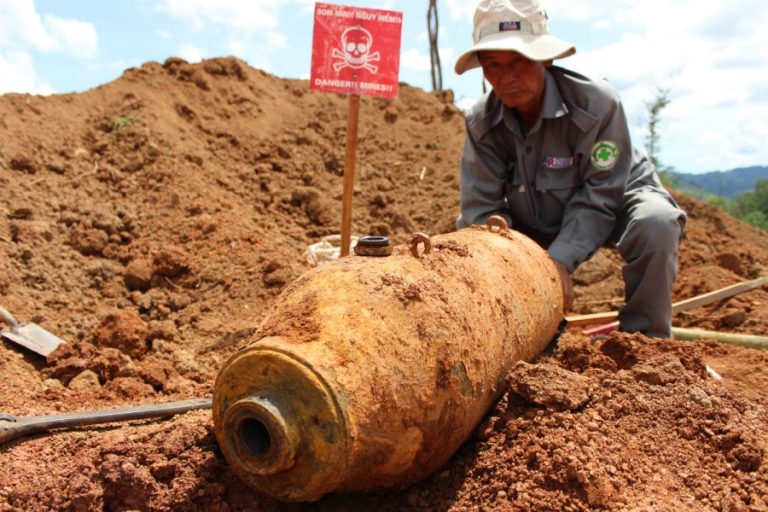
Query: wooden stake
point(349, 174)
point(591, 318)
point(722, 293)
point(677, 307)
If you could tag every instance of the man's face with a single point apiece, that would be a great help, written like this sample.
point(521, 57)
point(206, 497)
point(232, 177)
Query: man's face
point(517, 81)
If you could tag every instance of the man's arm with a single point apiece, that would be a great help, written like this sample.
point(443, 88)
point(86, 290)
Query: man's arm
point(590, 215)
point(483, 175)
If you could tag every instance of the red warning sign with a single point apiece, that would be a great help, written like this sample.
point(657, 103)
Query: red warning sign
point(356, 50)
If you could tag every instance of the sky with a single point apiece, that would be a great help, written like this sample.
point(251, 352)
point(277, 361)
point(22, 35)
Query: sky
point(711, 55)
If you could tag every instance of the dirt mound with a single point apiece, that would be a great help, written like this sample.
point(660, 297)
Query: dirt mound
point(152, 220)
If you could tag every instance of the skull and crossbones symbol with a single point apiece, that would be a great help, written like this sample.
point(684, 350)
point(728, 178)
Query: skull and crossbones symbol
point(356, 53)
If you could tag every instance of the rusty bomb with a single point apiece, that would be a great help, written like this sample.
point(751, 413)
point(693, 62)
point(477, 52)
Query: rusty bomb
point(369, 372)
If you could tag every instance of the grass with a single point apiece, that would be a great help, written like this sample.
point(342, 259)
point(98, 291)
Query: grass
point(122, 122)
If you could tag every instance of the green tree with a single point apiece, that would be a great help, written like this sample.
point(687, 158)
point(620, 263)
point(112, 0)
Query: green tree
point(652, 137)
point(761, 196)
point(719, 201)
point(757, 219)
point(752, 207)
point(744, 204)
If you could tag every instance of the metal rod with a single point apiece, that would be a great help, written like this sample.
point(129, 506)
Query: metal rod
point(12, 427)
point(744, 340)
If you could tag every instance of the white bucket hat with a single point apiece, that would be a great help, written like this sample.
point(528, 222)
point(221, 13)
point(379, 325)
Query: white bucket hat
point(516, 25)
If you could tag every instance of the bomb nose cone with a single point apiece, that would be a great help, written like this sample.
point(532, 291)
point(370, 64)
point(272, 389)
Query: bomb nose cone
point(279, 423)
point(258, 436)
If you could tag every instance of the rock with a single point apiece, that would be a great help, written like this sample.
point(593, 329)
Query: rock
point(129, 387)
point(88, 241)
point(24, 164)
point(733, 319)
point(170, 262)
point(125, 365)
point(276, 275)
point(660, 371)
point(732, 262)
point(49, 384)
point(318, 208)
point(125, 331)
point(549, 386)
point(701, 397)
point(85, 381)
point(163, 330)
point(186, 363)
point(138, 275)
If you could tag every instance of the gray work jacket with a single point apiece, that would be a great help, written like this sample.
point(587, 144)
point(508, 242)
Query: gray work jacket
point(565, 178)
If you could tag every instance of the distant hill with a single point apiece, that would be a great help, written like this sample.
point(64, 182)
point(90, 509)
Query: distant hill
point(722, 183)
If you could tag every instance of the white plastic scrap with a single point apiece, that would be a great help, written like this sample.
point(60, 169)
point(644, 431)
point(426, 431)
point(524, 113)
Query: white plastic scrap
point(712, 373)
point(327, 249)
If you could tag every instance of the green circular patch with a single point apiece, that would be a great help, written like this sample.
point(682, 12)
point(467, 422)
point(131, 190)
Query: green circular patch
point(605, 154)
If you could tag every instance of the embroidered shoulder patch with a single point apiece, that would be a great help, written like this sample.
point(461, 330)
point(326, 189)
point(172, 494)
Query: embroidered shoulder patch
point(605, 154)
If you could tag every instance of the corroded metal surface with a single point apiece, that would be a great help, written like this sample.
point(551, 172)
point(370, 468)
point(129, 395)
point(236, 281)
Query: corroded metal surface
point(369, 373)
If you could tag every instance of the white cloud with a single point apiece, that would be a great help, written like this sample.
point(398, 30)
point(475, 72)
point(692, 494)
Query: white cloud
point(730, 139)
point(714, 63)
point(237, 47)
point(414, 59)
point(257, 52)
point(275, 41)
point(192, 53)
point(252, 26)
point(465, 103)
point(23, 33)
point(561, 9)
point(74, 37)
point(17, 74)
point(248, 17)
point(459, 10)
point(599, 11)
point(21, 27)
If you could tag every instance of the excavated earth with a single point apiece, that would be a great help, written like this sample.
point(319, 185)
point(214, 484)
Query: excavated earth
point(153, 220)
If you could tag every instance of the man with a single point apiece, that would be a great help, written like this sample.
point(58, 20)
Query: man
point(549, 150)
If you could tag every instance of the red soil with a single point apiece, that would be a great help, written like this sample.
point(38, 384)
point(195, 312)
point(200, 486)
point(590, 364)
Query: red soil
point(152, 220)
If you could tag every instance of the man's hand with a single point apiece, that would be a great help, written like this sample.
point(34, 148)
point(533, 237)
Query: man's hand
point(565, 281)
